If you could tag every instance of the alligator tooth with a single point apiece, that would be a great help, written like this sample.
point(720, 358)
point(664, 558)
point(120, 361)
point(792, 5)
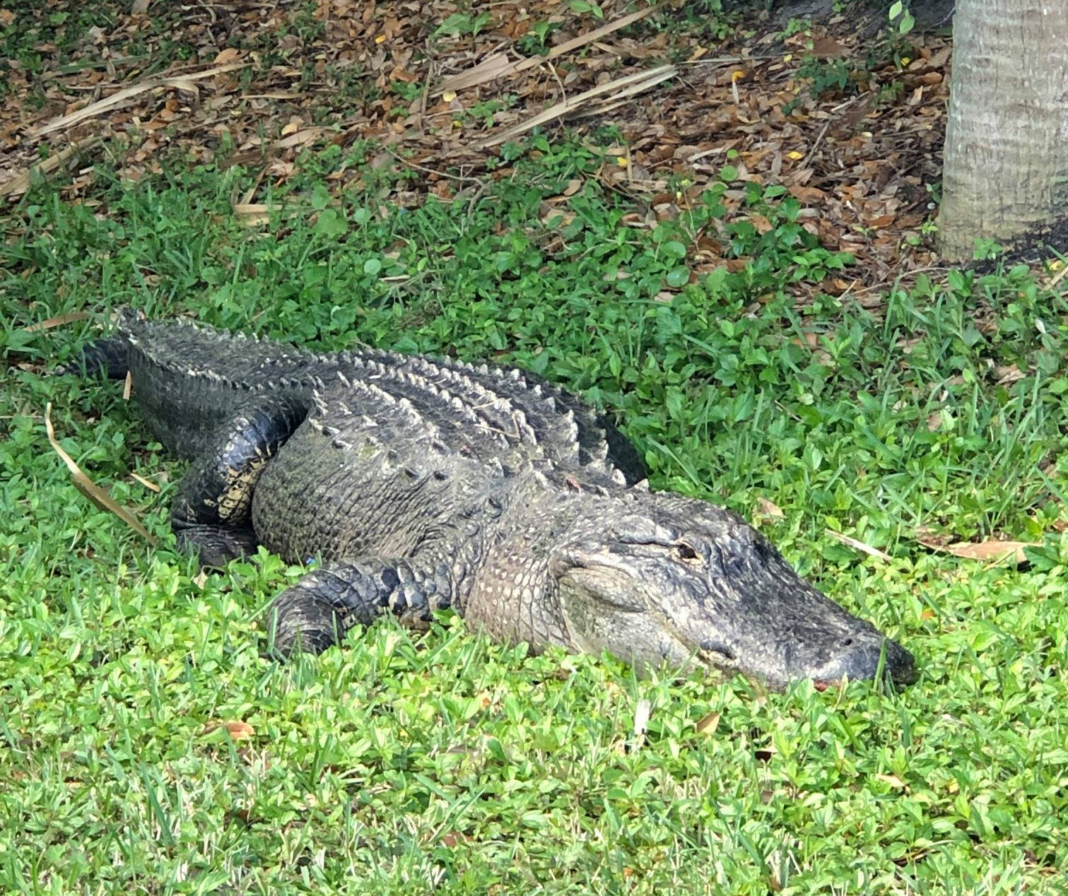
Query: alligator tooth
point(618, 478)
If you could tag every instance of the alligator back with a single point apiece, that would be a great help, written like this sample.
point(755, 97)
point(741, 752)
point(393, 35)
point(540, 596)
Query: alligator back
point(189, 379)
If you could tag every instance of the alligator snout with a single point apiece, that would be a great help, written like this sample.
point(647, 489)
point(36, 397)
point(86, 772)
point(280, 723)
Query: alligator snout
point(861, 660)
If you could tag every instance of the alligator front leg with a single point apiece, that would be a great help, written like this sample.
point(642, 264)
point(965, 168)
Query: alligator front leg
point(212, 511)
point(314, 614)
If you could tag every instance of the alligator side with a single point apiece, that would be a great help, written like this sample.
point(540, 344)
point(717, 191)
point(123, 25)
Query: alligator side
point(420, 484)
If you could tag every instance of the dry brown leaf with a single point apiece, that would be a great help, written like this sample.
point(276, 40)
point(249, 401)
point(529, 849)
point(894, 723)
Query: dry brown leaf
point(1009, 374)
point(252, 214)
point(99, 496)
point(60, 320)
point(768, 509)
point(893, 780)
point(239, 730)
point(126, 95)
point(227, 56)
point(625, 86)
point(300, 138)
point(991, 551)
point(147, 483)
point(708, 724)
point(20, 183)
point(499, 66)
point(858, 545)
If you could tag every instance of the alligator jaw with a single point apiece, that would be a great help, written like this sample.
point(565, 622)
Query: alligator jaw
point(689, 582)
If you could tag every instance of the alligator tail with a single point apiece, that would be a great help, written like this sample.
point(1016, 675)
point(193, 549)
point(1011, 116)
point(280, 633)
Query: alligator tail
point(109, 356)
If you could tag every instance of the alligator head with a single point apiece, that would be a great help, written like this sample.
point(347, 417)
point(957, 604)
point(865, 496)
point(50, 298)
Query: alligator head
point(672, 580)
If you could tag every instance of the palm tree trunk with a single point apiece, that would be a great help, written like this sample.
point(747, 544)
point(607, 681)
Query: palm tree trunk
point(1006, 150)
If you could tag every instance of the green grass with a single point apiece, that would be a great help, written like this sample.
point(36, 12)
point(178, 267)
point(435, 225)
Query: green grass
point(441, 762)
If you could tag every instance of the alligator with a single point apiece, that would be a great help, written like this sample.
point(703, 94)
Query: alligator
point(412, 484)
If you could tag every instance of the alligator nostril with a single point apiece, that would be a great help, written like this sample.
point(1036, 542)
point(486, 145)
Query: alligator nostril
point(710, 646)
point(848, 642)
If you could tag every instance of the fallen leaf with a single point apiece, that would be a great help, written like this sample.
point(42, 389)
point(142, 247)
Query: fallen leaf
point(641, 720)
point(1009, 374)
point(859, 545)
point(147, 483)
point(708, 724)
point(252, 214)
point(893, 780)
point(60, 320)
point(827, 47)
point(20, 183)
point(769, 509)
point(99, 496)
point(991, 551)
point(239, 730)
point(226, 56)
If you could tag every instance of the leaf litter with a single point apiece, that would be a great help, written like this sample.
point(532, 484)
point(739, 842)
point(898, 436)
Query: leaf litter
point(441, 90)
point(856, 142)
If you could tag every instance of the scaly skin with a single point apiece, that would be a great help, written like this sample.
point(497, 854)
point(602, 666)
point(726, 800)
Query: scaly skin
point(421, 484)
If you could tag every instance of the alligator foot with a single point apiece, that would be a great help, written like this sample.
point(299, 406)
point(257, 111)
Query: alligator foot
point(212, 512)
point(315, 613)
point(215, 546)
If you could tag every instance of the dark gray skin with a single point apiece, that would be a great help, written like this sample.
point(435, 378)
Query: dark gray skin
point(424, 484)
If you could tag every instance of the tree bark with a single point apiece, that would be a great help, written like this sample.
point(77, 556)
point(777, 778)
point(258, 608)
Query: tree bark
point(1006, 152)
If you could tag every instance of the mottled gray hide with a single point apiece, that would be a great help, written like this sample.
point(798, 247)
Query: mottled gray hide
point(420, 484)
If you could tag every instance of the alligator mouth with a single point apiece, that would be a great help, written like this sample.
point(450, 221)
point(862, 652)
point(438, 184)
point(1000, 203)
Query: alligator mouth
point(867, 662)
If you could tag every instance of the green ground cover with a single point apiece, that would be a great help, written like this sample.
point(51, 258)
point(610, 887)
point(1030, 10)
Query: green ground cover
point(444, 763)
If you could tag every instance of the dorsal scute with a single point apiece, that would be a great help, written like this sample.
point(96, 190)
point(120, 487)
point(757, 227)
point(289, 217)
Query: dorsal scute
point(484, 409)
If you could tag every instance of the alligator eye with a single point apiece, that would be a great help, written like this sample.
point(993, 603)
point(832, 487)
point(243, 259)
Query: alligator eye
point(684, 552)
